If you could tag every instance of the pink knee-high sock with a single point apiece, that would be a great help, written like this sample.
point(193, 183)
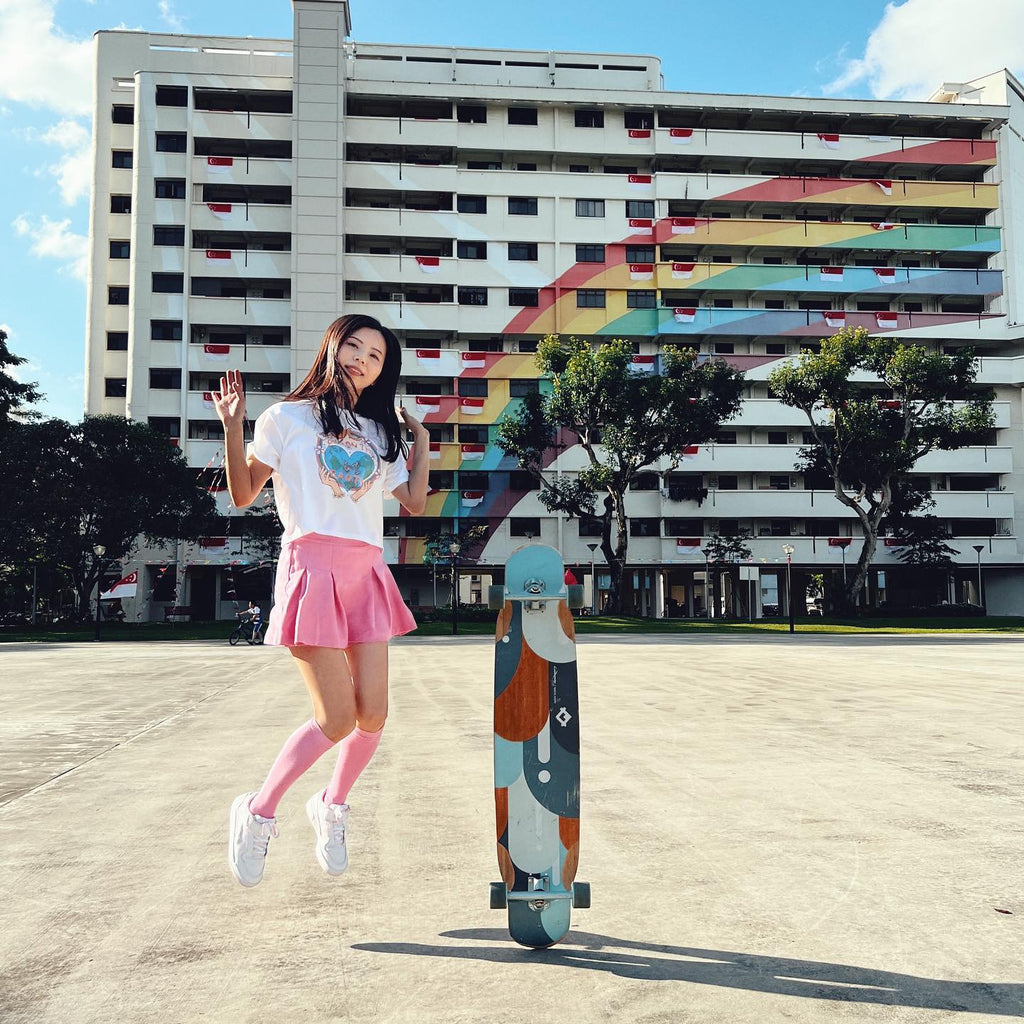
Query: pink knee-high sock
point(301, 750)
point(355, 753)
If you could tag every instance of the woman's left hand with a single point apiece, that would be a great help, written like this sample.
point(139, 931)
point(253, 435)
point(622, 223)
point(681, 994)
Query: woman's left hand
point(418, 430)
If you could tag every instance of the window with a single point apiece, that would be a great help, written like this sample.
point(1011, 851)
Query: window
point(640, 208)
point(526, 167)
point(778, 437)
point(205, 430)
point(589, 207)
point(524, 526)
point(171, 142)
point(121, 114)
point(590, 298)
point(590, 527)
point(579, 168)
point(780, 528)
point(120, 250)
point(483, 165)
point(774, 303)
point(522, 206)
point(522, 388)
point(641, 299)
point(722, 304)
point(645, 527)
point(121, 158)
point(169, 426)
point(115, 387)
point(117, 341)
point(469, 434)
point(168, 234)
point(472, 250)
point(472, 296)
point(117, 296)
point(472, 113)
point(619, 169)
point(676, 527)
point(725, 437)
point(728, 482)
point(172, 95)
point(523, 297)
point(638, 119)
point(165, 379)
point(170, 188)
point(526, 251)
point(522, 115)
point(589, 118)
point(778, 483)
point(728, 527)
point(645, 482)
point(520, 480)
point(120, 204)
point(441, 479)
point(173, 284)
point(527, 346)
point(165, 330)
point(775, 348)
point(472, 387)
point(590, 254)
point(472, 204)
point(639, 253)
point(724, 348)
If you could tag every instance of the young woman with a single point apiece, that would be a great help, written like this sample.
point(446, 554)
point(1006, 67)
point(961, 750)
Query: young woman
point(334, 446)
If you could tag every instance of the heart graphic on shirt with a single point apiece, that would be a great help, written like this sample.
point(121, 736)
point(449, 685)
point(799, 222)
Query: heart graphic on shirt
point(348, 464)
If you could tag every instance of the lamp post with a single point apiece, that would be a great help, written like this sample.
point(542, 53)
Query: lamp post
point(789, 549)
point(99, 551)
point(979, 548)
point(593, 579)
point(454, 549)
point(707, 581)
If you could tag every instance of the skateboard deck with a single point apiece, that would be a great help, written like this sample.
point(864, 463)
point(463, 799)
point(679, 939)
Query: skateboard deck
point(536, 749)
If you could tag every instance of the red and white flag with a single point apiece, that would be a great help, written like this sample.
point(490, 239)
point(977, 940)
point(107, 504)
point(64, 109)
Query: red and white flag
point(639, 136)
point(219, 164)
point(887, 321)
point(689, 453)
point(687, 545)
point(833, 274)
point(641, 271)
point(126, 587)
point(683, 225)
point(426, 405)
point(683, 271)
point(680, 136)
point(471, 406)
point(220, 210)
point(890, 403)
point(435, 450)
point(641, 226)
point(883, 225)
point(684, 315)
point(474, 361)
point(645, 364)
point(470, 499)
point(429, 264)
point(829, 140)
point(429, 357)
point(473, 452)
point(835, 318)
point(640, 182)
point(217, 353)
point(885, 184)
point(208, 399)
point(218, 256)
point(213, 543)
point(895, 542)
point(886, 275)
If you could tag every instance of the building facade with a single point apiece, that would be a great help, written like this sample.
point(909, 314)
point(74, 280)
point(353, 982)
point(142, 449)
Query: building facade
point(246, 192)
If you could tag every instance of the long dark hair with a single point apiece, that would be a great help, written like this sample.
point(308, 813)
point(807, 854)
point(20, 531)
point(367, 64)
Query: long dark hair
point(325, 384)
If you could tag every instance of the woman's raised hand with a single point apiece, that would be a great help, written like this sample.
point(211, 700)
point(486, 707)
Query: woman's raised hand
point(230, 400)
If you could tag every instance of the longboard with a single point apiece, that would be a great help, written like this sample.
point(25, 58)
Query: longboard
point(536, 748)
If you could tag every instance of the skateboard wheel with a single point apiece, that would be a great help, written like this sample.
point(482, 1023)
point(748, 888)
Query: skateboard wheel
point(576, 599)
point(581, 895)
point(496, 597)
point(498, 900)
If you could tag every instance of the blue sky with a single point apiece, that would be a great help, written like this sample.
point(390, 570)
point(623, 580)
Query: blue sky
point(866, 48)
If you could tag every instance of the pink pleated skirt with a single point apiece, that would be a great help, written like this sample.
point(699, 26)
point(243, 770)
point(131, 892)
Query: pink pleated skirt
point(335, 592)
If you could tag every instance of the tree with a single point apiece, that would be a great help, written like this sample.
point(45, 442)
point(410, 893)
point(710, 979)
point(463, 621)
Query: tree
point(438, 549)
point(625, 421)
point(15, 395)
point(104, 481)
point(875, 406)
point(721, 552)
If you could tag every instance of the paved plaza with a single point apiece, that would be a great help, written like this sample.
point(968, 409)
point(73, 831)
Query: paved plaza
point(776, 829)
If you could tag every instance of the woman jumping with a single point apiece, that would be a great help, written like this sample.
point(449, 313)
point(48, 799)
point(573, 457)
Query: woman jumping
point(333, 446)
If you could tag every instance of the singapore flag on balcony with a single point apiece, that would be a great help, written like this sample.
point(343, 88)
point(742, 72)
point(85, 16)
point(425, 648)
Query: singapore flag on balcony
point(886, 275)
point(689, 453)
point(470, 499)
point(883, 225)
point(683, 225)
point(683, 271)
point(887, 321)
point(474, 361)
point(833, 274)
point(217, 353)
point(641, 271)
point(473, 452)
point(219, 164)
point(640, 182)
point(683, 315)
point(426, 405)
point(435, 450)
point(122, 588)
point(645, 364)
point(218, 256)
point(208, 399)
point(687, 545)
point(471, 406)
point(680, 136)
point(835, 318)
point(429, 264)
point(639, 136)
point(885, 184)
point(641, 226)
point(829, 140)
point(429, 357)
point(220, 210)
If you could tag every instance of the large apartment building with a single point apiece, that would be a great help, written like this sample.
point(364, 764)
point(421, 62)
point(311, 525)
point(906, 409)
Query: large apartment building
point(247, 191)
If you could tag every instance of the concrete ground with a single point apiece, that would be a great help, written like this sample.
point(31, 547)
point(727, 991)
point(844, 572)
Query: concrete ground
point(775, 828)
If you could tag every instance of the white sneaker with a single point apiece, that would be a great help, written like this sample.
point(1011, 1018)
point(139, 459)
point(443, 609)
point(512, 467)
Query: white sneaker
point(329, 821)
point(247, 841)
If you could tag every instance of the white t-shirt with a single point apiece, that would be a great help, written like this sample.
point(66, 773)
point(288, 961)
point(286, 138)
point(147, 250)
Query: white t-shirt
point(322, 483)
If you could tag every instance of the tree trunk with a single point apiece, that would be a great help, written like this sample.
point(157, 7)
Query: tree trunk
point(616, 557)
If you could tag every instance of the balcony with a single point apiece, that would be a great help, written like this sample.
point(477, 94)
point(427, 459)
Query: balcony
point(240, 263)
point(242, 170)
point(244, 312)
point(241, 124)
point(241, 216)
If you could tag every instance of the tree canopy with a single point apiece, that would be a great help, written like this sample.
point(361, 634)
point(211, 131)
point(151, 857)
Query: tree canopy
point(15, 395)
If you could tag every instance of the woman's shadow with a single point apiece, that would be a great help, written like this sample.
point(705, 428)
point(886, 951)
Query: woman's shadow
point(808, 979)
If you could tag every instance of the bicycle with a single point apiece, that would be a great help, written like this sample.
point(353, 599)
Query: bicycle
point(245, 630)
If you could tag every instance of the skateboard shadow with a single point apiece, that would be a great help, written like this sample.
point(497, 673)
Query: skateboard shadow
point(808, 979)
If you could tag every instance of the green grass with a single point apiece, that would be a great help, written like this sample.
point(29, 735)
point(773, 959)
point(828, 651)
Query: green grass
point(623, 626)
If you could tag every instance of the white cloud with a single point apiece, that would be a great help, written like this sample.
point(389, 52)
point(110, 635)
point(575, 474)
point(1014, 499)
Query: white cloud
point(54, 239)
point(170, 17)
point(39, 64)
point(73, 170)
point(921, 43)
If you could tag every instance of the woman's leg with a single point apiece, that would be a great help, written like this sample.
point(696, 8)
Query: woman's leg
point(369, 663)
point(325, 671)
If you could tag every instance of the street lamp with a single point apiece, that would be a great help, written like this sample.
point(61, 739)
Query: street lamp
point(707, 581)
point(979, 548)
point(99, 551)
point(789, 549)
point(454, 549)
point(593, 579)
